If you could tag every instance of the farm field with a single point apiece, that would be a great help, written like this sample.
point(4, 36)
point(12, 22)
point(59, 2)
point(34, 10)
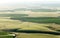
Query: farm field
point(31, 27)
point(29, 19)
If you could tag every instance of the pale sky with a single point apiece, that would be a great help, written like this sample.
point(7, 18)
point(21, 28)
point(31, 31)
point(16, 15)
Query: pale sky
point(9, 3)
point(19, 1)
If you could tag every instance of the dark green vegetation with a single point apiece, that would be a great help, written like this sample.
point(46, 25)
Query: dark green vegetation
point(4, 34)
point(32, 19)
point(39, 19)
point(6, 37)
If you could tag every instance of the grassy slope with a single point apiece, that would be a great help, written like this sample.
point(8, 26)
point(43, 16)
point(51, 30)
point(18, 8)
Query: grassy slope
point(30, 35)
point(4, 35)
point(12, 24)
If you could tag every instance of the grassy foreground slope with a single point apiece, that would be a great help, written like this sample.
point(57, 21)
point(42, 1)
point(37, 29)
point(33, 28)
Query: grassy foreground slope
point(37, 35)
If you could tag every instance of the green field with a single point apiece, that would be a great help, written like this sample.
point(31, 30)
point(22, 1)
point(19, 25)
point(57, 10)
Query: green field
point(30, 27)
point(4, 34)
point(39, 19)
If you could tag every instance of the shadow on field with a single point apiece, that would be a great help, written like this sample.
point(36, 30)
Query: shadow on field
point(32, 31)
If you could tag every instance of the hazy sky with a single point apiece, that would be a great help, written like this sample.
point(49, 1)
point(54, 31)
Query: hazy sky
point(10, 3)
point(32, 1)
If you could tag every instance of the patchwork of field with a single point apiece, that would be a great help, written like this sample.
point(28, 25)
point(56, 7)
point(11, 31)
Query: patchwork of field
point(30, 25)
point(29, 29)
point(11, 24)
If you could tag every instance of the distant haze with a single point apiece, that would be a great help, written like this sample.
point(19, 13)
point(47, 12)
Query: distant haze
point(11, 4)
